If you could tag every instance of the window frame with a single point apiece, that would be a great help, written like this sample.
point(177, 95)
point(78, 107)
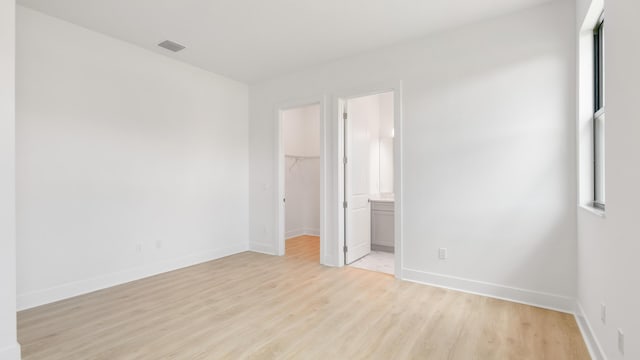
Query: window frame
point(598, 114)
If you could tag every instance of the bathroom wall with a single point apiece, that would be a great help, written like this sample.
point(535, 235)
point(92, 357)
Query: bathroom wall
point(379, 110)
point(301, 136)
point(386, 143)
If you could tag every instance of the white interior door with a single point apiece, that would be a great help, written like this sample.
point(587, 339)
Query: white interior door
point(357, 212)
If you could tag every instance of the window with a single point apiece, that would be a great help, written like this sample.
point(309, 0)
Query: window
point(598, 117)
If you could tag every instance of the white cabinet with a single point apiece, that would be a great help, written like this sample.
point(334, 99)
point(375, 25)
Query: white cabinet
point(382, 225)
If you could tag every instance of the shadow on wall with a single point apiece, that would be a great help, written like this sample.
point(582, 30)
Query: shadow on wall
point(491, 162)
point(488, 144)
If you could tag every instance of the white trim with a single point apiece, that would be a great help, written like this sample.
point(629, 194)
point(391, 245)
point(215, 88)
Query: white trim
point(589, 336)
point(398, 176)
point(61, 292)
point(10, 353)
point(293, 233)
point(590, 209)
point(262, 248)
point(528, 297)
point(300, 232)
point(339, 190)
point(311, 232)
point(281, 234)
point(584, 107)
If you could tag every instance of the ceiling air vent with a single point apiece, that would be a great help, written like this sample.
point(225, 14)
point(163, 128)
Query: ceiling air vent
point(170, 45)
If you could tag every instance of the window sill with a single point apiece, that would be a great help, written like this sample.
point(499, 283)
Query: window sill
point(593, 210)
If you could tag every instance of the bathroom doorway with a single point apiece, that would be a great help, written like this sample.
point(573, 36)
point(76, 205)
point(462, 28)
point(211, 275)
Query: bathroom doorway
point(368, 181)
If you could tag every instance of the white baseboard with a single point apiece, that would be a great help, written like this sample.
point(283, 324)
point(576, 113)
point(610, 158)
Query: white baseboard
point(46, 296)
point(300, 232)
point(312, 231)
point(528, 297)
point(588, 335)
point(289, 234)
point(262, 248)
point(10, 353)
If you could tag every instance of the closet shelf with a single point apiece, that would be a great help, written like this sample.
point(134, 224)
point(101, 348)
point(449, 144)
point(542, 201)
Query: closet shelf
point(299, 158)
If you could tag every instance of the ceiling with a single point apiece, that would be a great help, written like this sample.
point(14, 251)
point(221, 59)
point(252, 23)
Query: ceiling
point(253, 40)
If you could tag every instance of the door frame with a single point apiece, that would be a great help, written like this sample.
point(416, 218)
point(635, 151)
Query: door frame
point(331, 171)
point(280, 171)
point(339, 101)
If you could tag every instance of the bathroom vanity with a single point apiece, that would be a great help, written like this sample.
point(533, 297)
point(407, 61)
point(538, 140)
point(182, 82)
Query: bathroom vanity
point(382, 223)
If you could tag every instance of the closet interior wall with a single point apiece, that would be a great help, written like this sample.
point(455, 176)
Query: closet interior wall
point(301, 133)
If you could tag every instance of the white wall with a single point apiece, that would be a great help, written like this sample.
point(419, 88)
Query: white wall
point(301, 137)
point(608, 247)
point(129, 163)
point(385, 143)
point(9, 348)
point(378, 109)
point(302, 191)
point(386, 166)
point(301, 131)
point(488, 149)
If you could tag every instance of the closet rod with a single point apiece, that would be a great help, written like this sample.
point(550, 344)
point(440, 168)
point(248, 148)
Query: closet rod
point(302, 157)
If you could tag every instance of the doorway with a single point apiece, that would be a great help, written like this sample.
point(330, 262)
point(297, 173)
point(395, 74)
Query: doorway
point(368, 181)
point(332, 179)
point(300, 132)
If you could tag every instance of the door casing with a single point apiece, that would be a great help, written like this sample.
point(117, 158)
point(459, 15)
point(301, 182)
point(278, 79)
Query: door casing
point(332, 170)
point(339, 102)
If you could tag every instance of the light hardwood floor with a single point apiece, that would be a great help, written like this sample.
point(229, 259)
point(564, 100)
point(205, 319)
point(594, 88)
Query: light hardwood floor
point(254, 306)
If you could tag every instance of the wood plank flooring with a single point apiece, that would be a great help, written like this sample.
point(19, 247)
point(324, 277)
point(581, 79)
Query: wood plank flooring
point(255, 306)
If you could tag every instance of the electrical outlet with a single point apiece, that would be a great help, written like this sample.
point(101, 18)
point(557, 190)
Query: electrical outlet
point(158, 244)
point(621, 341)
point(603, 313)
point(442, 253)
point(138, 247)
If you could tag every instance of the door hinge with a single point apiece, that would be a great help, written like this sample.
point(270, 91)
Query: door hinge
point(344, 204)
point(344, 160)
point(344, 115)
point(345, 248)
